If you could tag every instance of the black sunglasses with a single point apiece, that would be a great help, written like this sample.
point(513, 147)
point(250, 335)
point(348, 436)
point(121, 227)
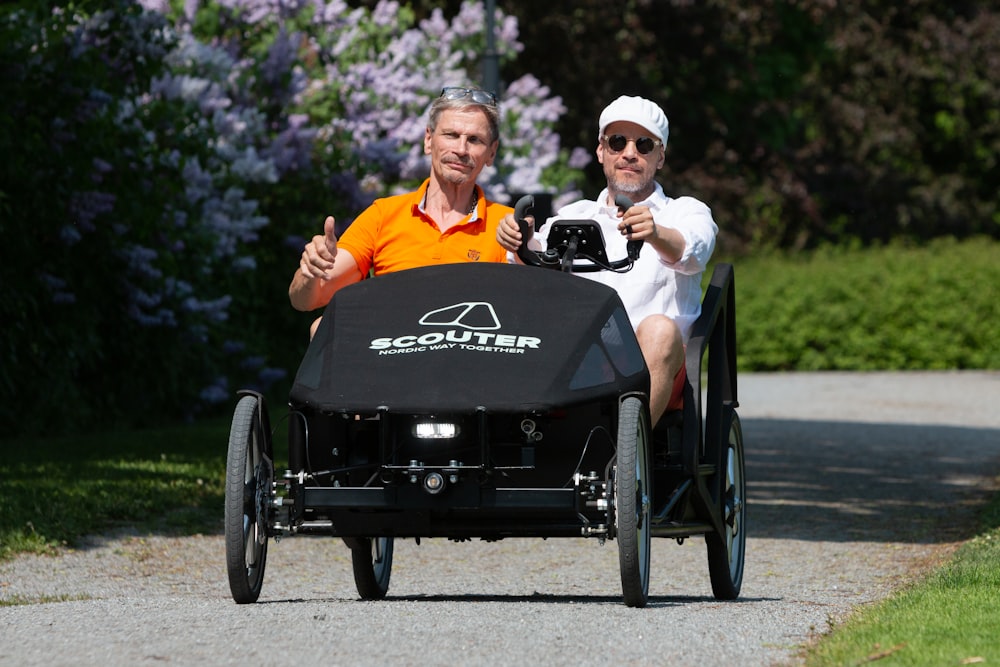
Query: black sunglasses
point(618, 142)
point(478, 96)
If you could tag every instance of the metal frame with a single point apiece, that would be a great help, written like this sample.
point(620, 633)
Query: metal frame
point(699, 427)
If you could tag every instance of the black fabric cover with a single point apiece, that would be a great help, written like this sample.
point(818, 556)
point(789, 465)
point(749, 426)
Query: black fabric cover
point(450, 338)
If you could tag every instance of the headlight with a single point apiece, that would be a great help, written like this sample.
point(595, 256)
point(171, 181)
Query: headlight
point(435, 430)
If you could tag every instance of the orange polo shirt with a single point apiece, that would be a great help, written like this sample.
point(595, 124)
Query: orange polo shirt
point(393, 234)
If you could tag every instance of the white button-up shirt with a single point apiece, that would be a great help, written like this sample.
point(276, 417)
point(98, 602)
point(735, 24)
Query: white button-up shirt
point(654, 285)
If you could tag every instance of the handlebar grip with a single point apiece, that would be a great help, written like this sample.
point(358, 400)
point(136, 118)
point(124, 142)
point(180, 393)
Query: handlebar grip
point(623, 203)
point(520, 211)
point(633, 247)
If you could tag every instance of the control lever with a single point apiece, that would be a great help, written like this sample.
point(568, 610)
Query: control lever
point(520, 212)
point(624, 203)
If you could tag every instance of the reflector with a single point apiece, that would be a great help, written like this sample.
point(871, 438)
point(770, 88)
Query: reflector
point(433, 482)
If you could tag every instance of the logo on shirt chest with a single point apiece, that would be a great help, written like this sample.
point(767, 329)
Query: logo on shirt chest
point(473, 255)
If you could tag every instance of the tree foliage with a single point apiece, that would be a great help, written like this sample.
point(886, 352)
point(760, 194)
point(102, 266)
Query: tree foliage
point(799, 122)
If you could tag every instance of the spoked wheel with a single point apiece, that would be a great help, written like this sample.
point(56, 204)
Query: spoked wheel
point(249, 491)
point(631, 501)
point(727, 553)
point(372, 561)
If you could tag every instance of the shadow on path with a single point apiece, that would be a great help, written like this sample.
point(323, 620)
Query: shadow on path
point(846, 481)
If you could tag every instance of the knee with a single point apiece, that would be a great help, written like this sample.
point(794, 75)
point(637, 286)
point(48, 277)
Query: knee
point(659, 332)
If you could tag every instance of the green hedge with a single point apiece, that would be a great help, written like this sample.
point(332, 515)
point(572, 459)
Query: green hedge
point(889, 307)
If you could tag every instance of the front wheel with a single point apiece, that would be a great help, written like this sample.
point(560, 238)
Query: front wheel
point(249, 490)
point(727, 552)
point(372, 562)
point(632, 502)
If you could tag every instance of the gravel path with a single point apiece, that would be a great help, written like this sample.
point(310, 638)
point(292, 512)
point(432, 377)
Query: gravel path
point(857, 482)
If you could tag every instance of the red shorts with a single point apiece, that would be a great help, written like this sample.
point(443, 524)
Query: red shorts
point(676, 401)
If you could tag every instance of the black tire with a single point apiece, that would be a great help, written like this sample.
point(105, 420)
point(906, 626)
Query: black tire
point(372, 561)
point(727, 553)
point(249, 491)
point(632, 502)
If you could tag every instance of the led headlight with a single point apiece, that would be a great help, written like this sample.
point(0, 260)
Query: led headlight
point(435, 430)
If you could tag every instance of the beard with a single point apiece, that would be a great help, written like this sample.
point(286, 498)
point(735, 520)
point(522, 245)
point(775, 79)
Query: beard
point(629, 185)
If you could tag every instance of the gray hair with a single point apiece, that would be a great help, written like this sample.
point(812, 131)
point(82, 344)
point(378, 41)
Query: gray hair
point(443, 103)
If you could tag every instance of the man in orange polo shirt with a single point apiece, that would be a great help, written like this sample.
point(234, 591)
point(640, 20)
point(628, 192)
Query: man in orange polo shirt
point(447, 220)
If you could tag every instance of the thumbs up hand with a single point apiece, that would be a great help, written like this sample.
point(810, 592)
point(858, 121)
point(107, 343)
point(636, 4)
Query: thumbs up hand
point(319, 255)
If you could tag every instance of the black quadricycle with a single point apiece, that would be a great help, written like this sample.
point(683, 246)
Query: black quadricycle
point(487, 401)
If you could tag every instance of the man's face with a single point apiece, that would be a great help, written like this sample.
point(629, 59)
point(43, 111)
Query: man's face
point(628, 170)
point(460, 146)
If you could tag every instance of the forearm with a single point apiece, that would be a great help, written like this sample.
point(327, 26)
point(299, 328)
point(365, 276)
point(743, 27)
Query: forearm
point(307, 293)
point(668, 243)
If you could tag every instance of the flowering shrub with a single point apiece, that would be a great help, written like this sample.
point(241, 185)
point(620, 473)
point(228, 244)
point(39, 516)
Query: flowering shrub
point(168, 160)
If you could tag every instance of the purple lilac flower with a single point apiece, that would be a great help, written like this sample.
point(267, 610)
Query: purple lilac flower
point(280, 59)
point(175, 287)
point(244, 263)
point(197, 182)
point(470, 20)
point(253, 363)
point(233, 346)
point(251, 168)
point(295, 242)
point(267, 376)
point(384, 155)
point(328, 13)
point(214, 310)
point(161, 6)
point(291, 149)
point(85, 207)
point(70, 235)
point(140, 261)
point(217, 392)
point(435, 27)
point(579, 158)
point(57, 288)
point(101, 167)
point(385, 13)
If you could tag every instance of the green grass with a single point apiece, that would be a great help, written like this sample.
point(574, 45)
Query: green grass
point(950, 618)
point(55, 490)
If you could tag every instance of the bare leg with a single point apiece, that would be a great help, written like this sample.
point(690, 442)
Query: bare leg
point(663, 349)
point(314, 326)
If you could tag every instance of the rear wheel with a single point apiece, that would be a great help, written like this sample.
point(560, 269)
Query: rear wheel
point(372, 561)
point(249, 490)
point(727, 552)
point(632, 502)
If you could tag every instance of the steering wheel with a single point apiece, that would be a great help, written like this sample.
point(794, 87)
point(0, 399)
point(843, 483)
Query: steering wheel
point(569, 240)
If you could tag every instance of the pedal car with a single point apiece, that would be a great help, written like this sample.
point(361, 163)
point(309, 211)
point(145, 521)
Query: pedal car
point(490, 401)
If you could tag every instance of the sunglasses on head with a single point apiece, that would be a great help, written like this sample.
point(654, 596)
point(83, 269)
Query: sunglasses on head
point(618, 142)
point(478, 96)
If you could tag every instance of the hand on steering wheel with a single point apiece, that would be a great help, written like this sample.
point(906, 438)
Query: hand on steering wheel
point(509, 232)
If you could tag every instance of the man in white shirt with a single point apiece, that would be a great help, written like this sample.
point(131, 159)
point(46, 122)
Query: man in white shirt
point(662, 292)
